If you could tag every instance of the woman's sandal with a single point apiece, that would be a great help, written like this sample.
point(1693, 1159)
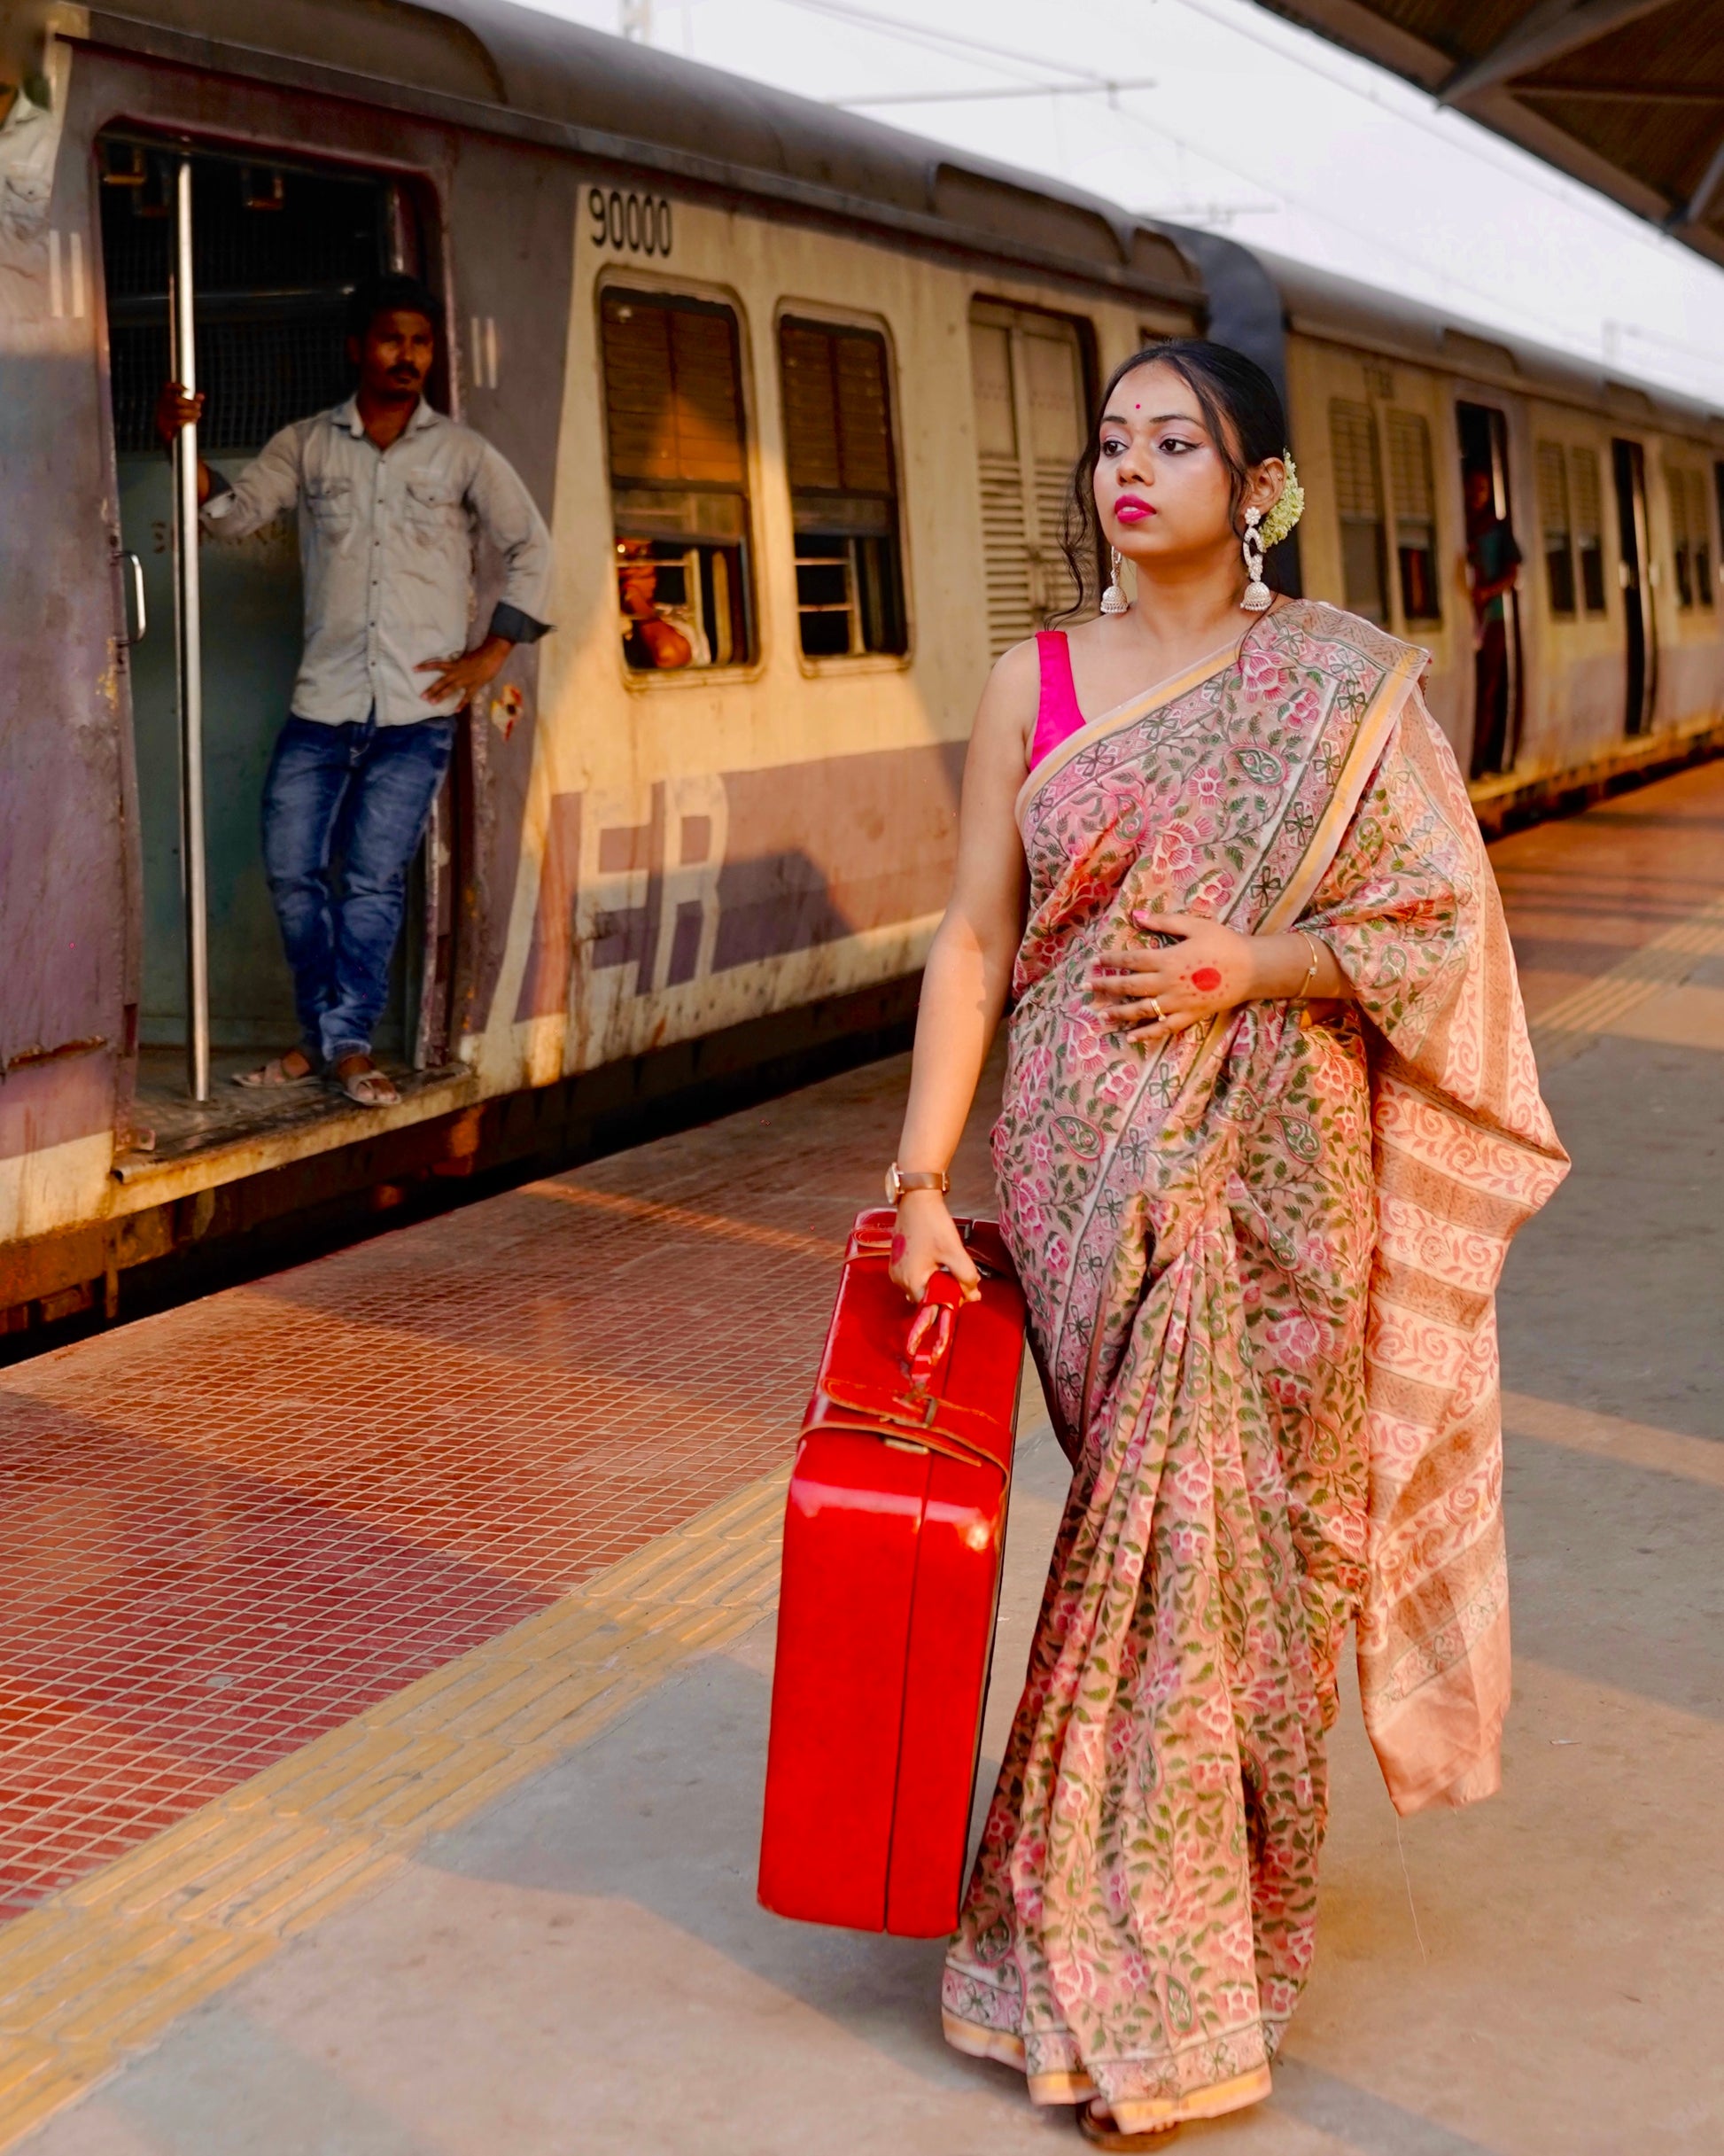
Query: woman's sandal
point(1089, 2124)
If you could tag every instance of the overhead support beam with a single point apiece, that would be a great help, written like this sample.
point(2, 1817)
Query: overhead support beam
point(1551, 30)
point(1618, 93)
point(1708, 191)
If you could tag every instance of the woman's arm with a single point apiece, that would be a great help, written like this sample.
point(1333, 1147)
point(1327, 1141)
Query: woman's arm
point(1160, 990)
point(969, 971)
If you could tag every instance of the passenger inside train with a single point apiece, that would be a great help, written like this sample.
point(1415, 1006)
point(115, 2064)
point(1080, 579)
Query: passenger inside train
point(390, 494)
point(1493, 562)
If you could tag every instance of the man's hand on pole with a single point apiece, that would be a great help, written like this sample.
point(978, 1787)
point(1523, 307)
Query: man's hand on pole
point(177, 407)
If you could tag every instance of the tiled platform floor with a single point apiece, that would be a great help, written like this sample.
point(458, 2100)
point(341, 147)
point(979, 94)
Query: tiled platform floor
point(230, 1528)
point(227, 1529)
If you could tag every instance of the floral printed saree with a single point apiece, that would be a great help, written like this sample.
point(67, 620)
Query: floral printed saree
point(1259, 1259)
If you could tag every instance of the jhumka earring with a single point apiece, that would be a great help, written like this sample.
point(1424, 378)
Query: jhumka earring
point(1257, 594)
point(1114, 600)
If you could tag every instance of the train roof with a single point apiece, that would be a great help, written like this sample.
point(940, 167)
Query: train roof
point(506, 69)
point(1623, 94)
point(1319, 303)
point(512, 70)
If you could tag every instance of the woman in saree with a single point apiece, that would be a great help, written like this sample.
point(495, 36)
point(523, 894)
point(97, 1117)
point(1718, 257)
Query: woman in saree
point(1269, 1120)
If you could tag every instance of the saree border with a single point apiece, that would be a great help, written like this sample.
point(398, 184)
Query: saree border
point(1384, 711)
point(1155, 697)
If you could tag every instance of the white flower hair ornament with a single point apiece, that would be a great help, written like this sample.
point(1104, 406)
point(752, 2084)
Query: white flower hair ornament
point(1288, 507)
point(1261, 532)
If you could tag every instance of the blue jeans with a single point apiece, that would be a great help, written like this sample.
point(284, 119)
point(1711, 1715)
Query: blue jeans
point(366, 791)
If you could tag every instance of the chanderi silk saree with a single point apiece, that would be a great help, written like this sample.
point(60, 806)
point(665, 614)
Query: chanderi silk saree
point(1259, 1259)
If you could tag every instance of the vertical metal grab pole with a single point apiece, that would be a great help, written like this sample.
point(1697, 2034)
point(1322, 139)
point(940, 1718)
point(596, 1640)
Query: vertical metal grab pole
point(191, 661)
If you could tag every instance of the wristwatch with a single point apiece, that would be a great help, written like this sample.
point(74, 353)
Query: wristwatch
point(899, 1179)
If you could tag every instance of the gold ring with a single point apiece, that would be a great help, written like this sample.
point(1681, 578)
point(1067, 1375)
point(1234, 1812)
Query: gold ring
point(1155, 1005)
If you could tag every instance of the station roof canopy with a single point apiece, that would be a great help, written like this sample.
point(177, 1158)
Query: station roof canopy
point(1626, 94)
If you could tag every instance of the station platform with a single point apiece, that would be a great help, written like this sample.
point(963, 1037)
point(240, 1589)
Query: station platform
point(385, 1665)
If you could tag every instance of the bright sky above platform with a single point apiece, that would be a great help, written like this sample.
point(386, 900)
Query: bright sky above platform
point(1226, 117)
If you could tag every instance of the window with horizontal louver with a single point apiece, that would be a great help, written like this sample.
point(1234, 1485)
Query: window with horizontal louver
point(679, 478)
point(1587, 499)
point(843, 489)
point(1681, 497)
point(1414, 489)
point(1027, 373)
point(1359, 504)
point(1551, 466)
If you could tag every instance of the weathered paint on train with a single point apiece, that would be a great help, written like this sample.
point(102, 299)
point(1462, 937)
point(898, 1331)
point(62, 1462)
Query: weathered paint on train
point(634, 859)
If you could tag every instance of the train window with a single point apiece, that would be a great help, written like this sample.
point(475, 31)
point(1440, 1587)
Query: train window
point(1690, 530)
point(843, 489)
point(1028, 377)
point(1359, 503)
point(1415, 516)
point(1555, 524)
point(1587, 496)
point(678, 480)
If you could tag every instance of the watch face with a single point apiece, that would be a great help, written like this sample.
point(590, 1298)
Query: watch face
point(892, 1184)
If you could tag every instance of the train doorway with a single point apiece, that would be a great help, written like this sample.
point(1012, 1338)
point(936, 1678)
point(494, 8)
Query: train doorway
point(273, 253)
point(1492, 564)
point(1628, 462)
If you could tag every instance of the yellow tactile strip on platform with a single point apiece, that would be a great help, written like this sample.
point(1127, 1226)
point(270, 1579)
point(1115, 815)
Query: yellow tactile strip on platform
point(1577, 1020)
point(101, 1970)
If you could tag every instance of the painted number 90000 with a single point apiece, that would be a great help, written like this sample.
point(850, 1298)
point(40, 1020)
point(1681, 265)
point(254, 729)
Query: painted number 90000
point(640, 223)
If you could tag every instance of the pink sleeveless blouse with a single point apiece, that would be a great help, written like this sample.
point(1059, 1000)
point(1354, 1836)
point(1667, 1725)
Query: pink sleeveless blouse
point(1057, 715)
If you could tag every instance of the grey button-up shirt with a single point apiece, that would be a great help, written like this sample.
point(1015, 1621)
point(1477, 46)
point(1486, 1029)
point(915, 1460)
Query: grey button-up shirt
point(386, 545)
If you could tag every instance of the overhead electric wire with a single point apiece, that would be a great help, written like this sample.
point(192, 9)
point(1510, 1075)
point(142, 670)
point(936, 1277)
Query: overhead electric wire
point(983, 97)
point(925, 33)
point(1474, 142)
point(1473, 137)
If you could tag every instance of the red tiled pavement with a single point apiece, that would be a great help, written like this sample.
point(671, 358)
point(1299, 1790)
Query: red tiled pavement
point(227, 1529)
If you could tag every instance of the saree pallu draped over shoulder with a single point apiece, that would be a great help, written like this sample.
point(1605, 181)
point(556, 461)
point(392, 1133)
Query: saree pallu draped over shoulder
point(1260, 1260)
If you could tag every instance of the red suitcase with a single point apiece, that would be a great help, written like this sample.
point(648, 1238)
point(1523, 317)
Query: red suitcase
point(893, 1539)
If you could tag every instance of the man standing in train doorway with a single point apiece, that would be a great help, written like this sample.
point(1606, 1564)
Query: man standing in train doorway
point(1493, 562)
point(390, 495)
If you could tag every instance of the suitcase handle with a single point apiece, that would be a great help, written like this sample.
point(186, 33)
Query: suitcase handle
point(929, 1337)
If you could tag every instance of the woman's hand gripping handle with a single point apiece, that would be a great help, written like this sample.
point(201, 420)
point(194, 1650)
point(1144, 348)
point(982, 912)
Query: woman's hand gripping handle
point(925, 1242)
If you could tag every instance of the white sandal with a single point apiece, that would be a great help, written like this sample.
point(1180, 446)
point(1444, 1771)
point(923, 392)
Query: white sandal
point(369, 1087)
point(275, 1073)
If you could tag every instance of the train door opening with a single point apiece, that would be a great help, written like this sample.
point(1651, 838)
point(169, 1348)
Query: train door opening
point(1492, 564)
point(276, 251)
point(1628, 463)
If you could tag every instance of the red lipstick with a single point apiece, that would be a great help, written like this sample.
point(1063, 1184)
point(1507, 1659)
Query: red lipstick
point(1132, 508)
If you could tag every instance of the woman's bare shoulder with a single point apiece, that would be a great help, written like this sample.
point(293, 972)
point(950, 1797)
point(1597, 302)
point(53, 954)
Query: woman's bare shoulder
point(1017, 671)
point(1013, 691)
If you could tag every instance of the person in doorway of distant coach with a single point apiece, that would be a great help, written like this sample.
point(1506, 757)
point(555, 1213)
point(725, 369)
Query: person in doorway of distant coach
point(1493, 563)
point(391, 495)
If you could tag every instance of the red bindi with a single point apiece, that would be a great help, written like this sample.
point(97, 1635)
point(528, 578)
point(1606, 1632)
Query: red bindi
point(1206, 977)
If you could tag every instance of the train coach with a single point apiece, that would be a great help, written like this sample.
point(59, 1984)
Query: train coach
point(798, 395)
